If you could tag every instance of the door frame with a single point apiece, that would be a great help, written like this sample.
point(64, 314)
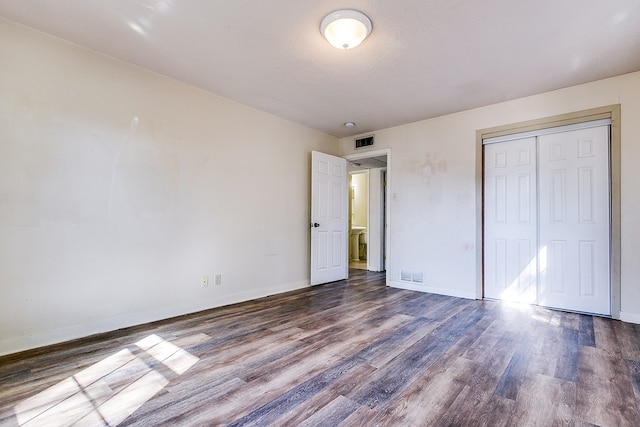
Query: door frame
point(387, 190)
point(608, 112)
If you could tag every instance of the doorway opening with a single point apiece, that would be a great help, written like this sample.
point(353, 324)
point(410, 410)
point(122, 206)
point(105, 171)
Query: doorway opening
point(368, 216)
point(358, 218)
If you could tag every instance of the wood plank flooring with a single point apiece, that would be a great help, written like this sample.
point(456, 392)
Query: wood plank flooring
point(350, 353)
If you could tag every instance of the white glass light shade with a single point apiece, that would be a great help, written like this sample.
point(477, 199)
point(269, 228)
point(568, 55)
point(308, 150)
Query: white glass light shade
point(345, 29)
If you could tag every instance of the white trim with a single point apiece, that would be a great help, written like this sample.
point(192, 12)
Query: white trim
point(432, 290)
point(630, 317)
point(546, 131)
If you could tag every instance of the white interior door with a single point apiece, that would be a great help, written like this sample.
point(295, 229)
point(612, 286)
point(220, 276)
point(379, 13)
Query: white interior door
point(575, 220)
point(510, 237)
point(329, 218)
point(547, 220)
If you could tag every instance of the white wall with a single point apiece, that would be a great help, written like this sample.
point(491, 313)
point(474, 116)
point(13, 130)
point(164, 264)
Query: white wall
point(432, 195)
point(120, 188)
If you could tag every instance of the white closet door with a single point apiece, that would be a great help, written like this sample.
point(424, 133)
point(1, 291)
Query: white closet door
point(510, 238)
point(574, 215)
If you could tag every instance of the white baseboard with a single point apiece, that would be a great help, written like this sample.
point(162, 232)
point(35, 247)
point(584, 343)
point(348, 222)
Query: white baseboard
point(55, 336)
point(432, 289)
point(625, 316)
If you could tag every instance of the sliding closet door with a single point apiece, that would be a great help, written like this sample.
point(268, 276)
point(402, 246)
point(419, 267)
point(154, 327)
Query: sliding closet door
point(510, 238)
point(574, 215)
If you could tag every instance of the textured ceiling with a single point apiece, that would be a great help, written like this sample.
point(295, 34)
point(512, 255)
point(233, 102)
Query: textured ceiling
point(424, 58)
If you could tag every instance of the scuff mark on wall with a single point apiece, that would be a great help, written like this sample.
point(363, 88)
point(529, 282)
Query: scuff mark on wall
point(426, 168)
point(431, 166)
point(466, 247)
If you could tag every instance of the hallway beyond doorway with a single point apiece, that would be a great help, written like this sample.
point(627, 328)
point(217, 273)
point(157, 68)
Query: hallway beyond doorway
point(359, 265)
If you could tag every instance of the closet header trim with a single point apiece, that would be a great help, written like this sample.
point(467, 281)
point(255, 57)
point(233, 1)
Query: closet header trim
point(546, 131)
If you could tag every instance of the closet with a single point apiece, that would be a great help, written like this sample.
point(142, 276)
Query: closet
point(547, 217)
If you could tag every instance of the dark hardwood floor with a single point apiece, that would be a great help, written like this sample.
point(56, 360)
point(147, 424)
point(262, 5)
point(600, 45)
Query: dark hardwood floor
point(347, 353)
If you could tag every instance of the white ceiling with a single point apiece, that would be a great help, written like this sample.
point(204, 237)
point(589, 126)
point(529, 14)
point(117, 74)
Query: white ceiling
point(424, 58)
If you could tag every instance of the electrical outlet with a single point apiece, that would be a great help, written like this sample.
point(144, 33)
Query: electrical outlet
point(204, 281)
point(218, 279)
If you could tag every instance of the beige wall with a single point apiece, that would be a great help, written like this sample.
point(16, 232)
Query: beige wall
point(120, 188)
point(432, 190)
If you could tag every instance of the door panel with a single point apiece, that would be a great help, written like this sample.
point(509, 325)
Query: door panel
point(329, 218)
point(510, 221)
point(575, 220)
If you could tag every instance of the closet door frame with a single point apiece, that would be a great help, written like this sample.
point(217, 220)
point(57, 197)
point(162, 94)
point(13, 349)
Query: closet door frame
point(611, 112)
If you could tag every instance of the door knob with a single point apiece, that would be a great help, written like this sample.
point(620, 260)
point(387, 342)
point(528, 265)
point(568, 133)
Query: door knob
point(315, 224)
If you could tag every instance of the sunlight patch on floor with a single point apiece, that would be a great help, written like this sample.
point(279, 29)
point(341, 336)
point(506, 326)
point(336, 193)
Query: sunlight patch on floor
point(172, 356)
point(107, 392)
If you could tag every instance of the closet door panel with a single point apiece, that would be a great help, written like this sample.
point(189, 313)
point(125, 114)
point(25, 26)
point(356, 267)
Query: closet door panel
point(510, 254)
point(574, 220)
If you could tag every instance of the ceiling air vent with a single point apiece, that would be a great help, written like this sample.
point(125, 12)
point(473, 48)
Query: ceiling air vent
point(367, 141)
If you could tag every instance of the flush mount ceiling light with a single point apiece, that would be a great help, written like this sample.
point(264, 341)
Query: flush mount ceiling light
point(346, 28)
